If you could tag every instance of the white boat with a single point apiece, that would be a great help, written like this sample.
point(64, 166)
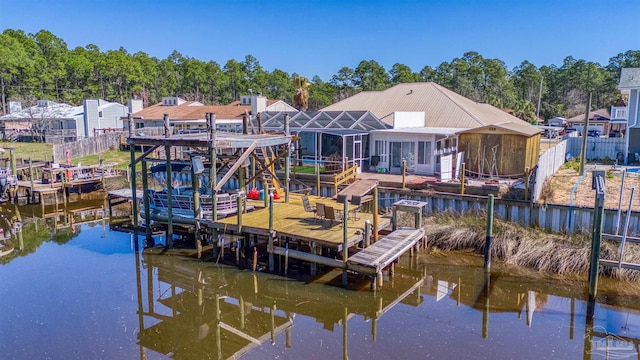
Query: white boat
point(182, 203)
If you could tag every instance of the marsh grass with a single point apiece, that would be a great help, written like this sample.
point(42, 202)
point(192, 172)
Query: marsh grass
point(523, 246)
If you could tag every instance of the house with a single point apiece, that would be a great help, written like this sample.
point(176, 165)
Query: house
point(629, 85)
point(326, 136)
point(599, 120)
point(430, 122)
point(189, 116)
point(58, 122)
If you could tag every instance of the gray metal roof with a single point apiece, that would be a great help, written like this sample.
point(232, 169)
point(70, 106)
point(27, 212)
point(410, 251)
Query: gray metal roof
point(629, 78)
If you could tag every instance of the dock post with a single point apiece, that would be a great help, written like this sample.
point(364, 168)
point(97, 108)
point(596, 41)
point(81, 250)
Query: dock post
point(345, 239)
point(265, 191)
point(485, 313)
point(314, 250)
point(394, 218)
point(287, 161)
point(213, 171)
point(345, 334)
point(367, 233)
point(318, 179)
point(12, 158)
point(462, 179)
point(253, 172)
point(195, 185)
point(489, 238)
point(145, 202)
point(33, 195)
point(218, 328)
point(404, 174)
point(134, 186)
point(167, 154)
point(239, 211)
point(596, 239)
point(375, 214)
point(270, 247)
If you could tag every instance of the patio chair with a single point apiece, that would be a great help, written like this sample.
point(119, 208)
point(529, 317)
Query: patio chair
point(340, 198)
point(330, 214)
point(356, 200)
point(320, 211)
point(307, 205)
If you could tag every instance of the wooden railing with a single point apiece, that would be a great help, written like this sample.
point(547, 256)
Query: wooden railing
point(349, 175)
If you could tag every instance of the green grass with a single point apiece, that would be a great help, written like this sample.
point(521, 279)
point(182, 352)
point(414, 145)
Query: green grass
point(35, 151)
point(123, 158)
point(305, 169)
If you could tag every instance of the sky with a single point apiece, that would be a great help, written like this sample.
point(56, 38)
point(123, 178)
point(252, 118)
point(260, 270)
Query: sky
point(320, 37)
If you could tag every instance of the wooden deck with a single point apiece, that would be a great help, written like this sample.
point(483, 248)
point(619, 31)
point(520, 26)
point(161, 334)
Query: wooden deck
point(381, 254)
point(290, 219)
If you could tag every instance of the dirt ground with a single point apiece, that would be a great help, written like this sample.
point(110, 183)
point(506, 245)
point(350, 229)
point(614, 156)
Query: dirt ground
point(565, 179)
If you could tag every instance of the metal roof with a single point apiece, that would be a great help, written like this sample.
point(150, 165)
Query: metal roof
point(629, 78)
point(441, 106)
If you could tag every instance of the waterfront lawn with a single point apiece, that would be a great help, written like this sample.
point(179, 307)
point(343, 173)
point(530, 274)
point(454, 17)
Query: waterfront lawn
point(123, 158)
point(26, 150)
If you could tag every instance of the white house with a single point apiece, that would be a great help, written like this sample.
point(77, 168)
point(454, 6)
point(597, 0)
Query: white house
point(63, 122)
point(629, 85)
point(427, 120)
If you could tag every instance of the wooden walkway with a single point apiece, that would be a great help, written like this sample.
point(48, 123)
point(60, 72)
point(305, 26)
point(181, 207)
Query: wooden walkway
point(381, 254)
point(359, 188)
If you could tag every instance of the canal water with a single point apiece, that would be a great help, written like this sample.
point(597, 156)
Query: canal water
point(72, 289)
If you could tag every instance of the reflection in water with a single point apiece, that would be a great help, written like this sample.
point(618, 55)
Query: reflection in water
point(176, 307)
point(197, 309)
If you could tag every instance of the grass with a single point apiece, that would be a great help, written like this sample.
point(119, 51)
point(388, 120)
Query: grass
point(123, 158)
point(533, 248)
point(35, 151)
point(305, 169)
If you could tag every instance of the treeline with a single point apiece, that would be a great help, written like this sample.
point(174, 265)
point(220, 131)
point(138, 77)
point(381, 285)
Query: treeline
point(41, 66)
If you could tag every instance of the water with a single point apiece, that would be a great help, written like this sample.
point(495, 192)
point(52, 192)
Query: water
point(83, 293)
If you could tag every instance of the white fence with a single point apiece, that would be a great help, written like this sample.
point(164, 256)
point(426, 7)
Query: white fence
point(597, 148)
point(548, 163)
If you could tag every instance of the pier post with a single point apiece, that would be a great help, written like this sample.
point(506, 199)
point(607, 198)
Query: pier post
point(367, 233)
point(239, 211)
point(345, 239)
point(271, 237)
point(485, 313)
point(375, 214)
point(404, 174)
point(345, 334)
point(145, 201)
point(462, 179)
point(33, 195)
point(167, 154)
point(287, 161)
point(313, 266)
point(218, 328)
point(596, 238)
point(489, 238)
point(213, 173)
point(195, 185)
point(318, 179)
point(134, 186)
point(253, 172)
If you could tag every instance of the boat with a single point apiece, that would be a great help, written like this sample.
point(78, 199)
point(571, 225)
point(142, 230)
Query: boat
point(182, 203)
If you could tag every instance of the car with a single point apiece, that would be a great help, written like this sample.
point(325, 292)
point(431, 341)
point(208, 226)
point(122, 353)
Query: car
point(593, 133)
point(615, 133)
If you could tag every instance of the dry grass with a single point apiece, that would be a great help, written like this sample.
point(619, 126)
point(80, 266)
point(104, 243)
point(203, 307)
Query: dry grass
point(517, 245)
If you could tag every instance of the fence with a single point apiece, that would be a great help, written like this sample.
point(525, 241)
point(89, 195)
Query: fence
point(97, 144)
point(597, 148)
point(548, 163)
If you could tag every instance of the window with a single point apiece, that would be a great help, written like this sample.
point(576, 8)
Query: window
point(381, 150)
point(424, 153)
point(100, 114)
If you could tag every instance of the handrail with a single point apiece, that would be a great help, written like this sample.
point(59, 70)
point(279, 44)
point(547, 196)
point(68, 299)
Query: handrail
point(349, 174)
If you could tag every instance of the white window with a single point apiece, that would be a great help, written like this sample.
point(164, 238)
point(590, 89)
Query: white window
point(424, 153)
point(381, 150)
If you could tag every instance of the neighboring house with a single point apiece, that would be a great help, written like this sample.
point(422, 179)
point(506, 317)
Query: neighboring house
point(599, 120)
point(189, 116)
point(556, 122)
point(430, 121)
point(57, 122)
point(629, 85)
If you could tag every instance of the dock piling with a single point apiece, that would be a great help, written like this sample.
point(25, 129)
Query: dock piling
point(489, 238)
point(345, 238)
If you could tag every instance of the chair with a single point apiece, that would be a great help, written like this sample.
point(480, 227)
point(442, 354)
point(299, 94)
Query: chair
point(320, 211)
point(340, 198)
point(307, 205)
point(330, 214)
point(357, 201)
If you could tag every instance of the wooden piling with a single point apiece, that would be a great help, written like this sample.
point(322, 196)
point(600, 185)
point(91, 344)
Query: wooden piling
point(489, 238)
point(345, 238)
point(145, 201)
point(375, 214)
point(213, 171)
point(318, 179)
point(169, 185)
point(462, 179)
point(134, 196)
point(271, 237)
point(404, 174)
point(287, 161)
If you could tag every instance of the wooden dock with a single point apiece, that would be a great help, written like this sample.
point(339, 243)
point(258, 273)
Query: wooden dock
point(375, 258)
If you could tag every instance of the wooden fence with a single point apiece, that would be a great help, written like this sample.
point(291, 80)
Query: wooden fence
point(97, 144)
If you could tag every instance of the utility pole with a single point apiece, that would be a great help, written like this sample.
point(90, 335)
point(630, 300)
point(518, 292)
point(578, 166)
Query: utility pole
point(539, 99)
point(583, 149)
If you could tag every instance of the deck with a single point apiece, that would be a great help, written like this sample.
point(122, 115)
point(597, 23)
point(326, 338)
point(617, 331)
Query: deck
point(290, 220)
point(381, 254)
